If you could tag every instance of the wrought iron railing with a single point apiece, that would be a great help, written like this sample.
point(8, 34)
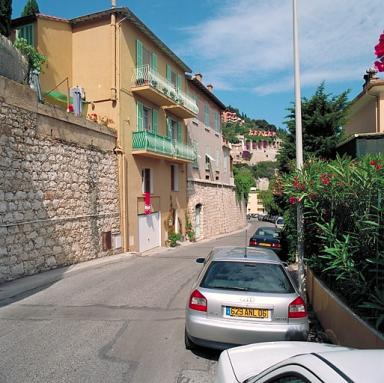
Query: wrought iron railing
point(151, 142)
point(145, 75)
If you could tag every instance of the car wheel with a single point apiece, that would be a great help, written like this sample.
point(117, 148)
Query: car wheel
point(189, 345)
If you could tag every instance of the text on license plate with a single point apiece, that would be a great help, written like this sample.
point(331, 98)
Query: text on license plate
point(242, 312)
point(265, 244)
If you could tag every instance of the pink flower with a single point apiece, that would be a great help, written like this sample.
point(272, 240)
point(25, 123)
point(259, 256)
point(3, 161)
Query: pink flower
point(378, 167)
point(292, 200)
point(373, 163)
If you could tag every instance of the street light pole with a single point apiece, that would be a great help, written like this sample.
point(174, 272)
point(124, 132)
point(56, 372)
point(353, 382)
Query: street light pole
point(299, 153)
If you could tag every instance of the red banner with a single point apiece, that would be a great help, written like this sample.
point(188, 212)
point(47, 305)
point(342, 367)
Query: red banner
point(147, 203)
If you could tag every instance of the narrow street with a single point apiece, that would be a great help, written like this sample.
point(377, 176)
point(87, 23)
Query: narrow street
point(122, 321)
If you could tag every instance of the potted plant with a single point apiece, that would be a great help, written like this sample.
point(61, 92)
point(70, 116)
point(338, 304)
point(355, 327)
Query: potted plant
point(173, 238)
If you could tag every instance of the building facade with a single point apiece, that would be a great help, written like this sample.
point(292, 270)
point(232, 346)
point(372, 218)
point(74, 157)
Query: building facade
point(212, 205)
point(251, 152)
point(131, 81)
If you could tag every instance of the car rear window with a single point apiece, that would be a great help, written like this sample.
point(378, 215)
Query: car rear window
point(266, 233)
point(280, 221)
point(247, 276)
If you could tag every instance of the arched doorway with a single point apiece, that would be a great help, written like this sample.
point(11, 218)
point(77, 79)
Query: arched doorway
point(198, 220)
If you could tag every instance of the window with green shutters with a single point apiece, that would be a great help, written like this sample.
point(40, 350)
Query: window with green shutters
point(139, 53)
point(155, 119)
point(173, 77)
point(206, 115)
point(140, 115)
point(217, 121)
point(174, 129)
point(179, 132)
point(27, 32)
point(145, 57)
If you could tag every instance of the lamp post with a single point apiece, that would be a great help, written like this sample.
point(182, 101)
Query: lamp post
point(299, 153)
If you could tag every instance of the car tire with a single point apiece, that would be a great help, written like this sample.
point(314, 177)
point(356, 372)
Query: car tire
point(189, 345)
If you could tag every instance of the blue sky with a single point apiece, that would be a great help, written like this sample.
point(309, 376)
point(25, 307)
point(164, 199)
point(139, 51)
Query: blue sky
point(244, 47)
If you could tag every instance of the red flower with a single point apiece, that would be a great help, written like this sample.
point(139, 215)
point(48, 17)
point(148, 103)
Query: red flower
point(292, 200)
point(373, 163)
point(378, 167)
point(325, 180)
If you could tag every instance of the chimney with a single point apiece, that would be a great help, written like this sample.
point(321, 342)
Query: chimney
point(210, 87)
point(199, 76)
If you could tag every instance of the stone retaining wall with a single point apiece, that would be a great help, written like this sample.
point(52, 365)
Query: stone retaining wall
point(221, 212)
point(12, 63)
point(58, 186)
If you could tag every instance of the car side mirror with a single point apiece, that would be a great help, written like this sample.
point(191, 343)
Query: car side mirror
point(200, 260)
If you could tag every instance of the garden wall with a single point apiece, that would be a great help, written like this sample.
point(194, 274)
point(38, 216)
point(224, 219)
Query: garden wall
point(341, 325)
point(58, 186)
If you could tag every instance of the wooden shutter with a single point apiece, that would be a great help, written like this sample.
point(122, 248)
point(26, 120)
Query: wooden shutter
point(139, 53)
point(179, 132)
point(154, 62)
point(169, 128)
point(169, 73)
point(140, 113)
point(178, 82)
point(155, 116)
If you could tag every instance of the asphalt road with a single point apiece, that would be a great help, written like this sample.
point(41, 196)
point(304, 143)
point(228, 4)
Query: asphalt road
point(117, 321)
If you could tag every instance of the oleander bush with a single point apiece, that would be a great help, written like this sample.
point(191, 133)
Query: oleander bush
point(343, 204)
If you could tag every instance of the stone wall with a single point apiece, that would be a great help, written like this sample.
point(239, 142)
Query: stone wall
point(58, 186)
point(12, 63)
point(221, 212)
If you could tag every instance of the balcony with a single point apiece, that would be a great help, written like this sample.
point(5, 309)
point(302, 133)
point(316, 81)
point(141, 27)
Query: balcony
point(150, 85)
point(152, 145)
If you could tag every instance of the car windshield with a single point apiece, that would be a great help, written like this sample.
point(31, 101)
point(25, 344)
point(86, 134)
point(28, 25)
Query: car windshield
point(266, 233)
point(280, 221)
point(247, 276)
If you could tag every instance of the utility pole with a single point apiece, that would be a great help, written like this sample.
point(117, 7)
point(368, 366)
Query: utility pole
point(299, 154)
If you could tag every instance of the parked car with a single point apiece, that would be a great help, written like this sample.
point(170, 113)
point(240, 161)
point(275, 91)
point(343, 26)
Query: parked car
point(243, 295)
point(279, 223)
point(299, 362)
point(266, 237)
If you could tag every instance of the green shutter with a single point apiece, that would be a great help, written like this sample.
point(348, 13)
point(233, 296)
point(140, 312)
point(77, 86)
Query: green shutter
point(154, 62)
point(169, 128)
point(178, 82)
point(140, 112)
point(139, 53)
point(168, 73)
point(179, 132)
point(154, 120)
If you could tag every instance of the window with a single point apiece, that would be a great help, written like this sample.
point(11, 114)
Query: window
point(174, 178)
point(145, 56)
point(217, 121)
point(206, 115)
point(173, 77)
point(247, 276)
point(27, 32)
point(174, 129)
point(225, 162)
point(147, 180)
point(147, 118)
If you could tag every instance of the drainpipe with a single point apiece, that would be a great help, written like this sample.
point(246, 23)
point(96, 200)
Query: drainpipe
point(113, 55)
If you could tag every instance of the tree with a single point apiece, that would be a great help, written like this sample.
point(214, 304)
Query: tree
point(5, 17)
point(264, 169)
point(322, 118)
point(30, 8)
point(243, 181)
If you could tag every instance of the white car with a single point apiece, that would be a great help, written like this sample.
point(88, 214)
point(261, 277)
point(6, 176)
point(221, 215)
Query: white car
point(279, 223)
point(299, 362)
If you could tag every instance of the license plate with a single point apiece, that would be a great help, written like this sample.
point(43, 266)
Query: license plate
point(265, 244)
point(246, 312)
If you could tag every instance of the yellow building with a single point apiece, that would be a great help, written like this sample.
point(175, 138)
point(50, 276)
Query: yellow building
point(133, 82)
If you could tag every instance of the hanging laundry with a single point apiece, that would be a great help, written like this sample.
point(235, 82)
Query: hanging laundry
point(78, 96)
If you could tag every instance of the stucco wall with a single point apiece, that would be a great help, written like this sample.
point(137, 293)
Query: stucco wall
point(362, 118)
point(220, 213)
point(58, 185)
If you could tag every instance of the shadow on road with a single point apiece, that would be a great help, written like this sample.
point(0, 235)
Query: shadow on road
point(206, 353)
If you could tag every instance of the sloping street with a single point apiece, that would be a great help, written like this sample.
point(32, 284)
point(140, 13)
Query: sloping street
point(121, 321)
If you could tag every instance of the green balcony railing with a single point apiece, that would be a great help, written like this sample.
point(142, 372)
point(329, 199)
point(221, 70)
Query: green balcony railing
point(151, 142)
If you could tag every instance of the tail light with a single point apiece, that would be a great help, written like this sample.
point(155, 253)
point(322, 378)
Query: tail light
point(197, 301)
point(297, 309)
point(276, 245)
point(252, 242)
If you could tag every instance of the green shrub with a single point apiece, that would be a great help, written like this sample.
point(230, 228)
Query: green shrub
point(344, 227)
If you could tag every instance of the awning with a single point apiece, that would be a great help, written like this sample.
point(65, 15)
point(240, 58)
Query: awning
point(209, 157)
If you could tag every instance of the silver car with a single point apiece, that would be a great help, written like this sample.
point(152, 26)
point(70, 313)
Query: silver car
point(299, 362)
point(243, 295)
